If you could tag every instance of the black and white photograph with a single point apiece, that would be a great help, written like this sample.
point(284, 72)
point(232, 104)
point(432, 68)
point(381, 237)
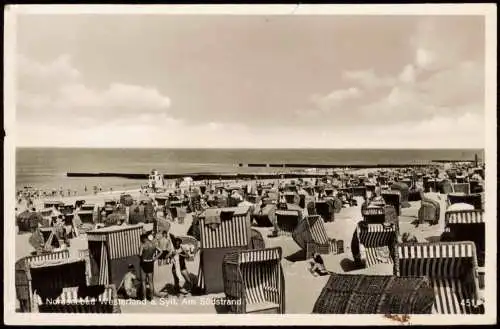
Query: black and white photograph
point(198, 164)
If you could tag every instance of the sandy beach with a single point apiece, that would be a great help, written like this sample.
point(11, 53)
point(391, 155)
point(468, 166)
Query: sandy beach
point(302, 289)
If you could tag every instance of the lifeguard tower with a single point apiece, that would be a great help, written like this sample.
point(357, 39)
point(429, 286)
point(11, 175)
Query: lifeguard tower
point(155, 180)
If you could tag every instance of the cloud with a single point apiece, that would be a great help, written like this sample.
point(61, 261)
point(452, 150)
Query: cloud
point(367, 79)
point(336, 97)
point(57, 91)
point(438, 86)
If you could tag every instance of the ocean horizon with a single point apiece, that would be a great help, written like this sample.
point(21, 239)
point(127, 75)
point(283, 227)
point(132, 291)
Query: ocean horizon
point(46, 167)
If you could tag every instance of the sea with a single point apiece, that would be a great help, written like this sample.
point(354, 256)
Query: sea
point(46, 168)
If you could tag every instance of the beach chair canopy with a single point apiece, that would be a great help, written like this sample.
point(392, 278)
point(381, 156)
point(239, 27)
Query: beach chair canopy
point(255, 279)
point(450, 266)
point(374, 294)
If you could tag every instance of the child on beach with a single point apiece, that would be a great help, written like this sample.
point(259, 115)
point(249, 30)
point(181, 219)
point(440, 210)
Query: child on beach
point(130, 284)
point(179, 270)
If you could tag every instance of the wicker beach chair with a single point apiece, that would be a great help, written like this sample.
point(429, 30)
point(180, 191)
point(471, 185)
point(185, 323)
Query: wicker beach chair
point(311, 236)
point(378, 240)
point(257, 240)
point(264, 216)
point(92, 299)
point(287, 221)
point(452, 269)
point(404, 192)
point(358, 191)
point(445, 187)
point(291, 197)
point(429, 212)
point(231, 234)
point(326, 209)
point(468, 225)
point(24, 291)
point(393, 198)
point(254, 280)
point(475, 186)
point(111, 250)
point(375, 294)
point(461, 188)
point(475, 200)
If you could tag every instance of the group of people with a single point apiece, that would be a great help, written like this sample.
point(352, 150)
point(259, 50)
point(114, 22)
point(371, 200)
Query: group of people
point(163, 247)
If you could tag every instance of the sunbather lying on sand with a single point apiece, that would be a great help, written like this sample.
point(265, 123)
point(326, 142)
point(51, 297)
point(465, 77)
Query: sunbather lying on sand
point(317, 266)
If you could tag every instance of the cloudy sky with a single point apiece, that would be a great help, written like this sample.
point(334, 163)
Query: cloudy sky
point(250, 81)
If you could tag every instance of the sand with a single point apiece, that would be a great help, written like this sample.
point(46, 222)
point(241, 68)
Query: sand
point(302, 289)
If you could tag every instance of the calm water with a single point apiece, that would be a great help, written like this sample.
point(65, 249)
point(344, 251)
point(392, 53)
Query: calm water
point(46, 168)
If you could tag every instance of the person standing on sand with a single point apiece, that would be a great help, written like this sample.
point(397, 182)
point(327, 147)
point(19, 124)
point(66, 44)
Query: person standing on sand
point(148, 254)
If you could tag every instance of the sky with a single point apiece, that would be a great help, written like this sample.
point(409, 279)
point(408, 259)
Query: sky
point(292, 81)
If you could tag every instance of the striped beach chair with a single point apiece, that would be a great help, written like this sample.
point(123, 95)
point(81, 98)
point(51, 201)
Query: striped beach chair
point(111, 250)
point(24, 291)
point(287, 221)
point(393, 198)
point(254, 280)
point(379, 241)
point(93, 299)
point(311, 236)
point(468, 225)
point(452, 269)
point(50, 276)
point(232, 234)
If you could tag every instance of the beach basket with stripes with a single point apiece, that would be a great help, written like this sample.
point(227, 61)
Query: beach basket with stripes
point(374, 294)
point(452, 270)
point(111, 250)
point(378, 240)
point(232, 234)
point(24, 291)
point(312, 237)
point(254, 279)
